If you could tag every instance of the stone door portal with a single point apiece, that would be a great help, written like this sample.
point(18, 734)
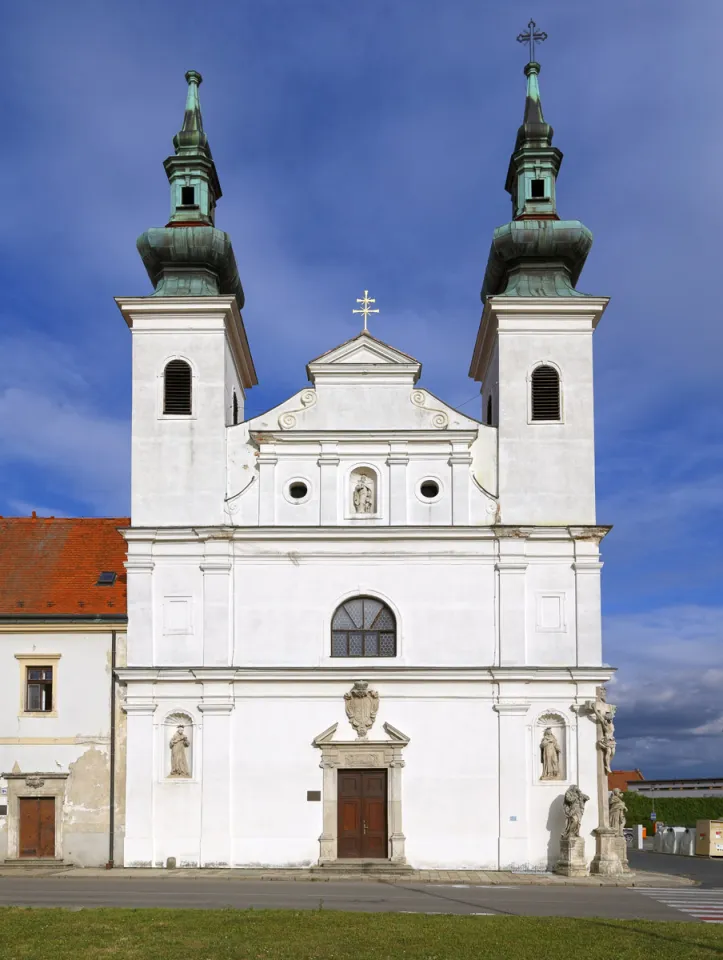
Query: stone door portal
point(37, 827)
point(362, 811)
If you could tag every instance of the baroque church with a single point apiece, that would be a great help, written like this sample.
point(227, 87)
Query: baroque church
point(361, 626)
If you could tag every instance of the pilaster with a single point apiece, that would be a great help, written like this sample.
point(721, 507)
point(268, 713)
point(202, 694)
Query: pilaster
point(216, 708)
point(513, 784)
point(139, 572)
point(588, 614)
point(267, 461)
point(397, 462)
point(328, 485)
point(140, 778)
point(217, 598)
point(460, 461)
point(511, 570)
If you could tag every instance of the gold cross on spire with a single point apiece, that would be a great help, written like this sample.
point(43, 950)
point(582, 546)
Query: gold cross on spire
point(365, 310)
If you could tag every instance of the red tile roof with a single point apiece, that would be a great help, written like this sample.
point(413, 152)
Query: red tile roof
point(620, 778)
point(50, 566)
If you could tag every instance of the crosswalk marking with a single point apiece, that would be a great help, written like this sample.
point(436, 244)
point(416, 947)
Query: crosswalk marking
point(704, 905)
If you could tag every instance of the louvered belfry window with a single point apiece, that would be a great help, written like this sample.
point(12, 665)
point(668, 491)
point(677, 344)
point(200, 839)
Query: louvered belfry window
point(545, 393)
point(363, 627)
point(177, 388)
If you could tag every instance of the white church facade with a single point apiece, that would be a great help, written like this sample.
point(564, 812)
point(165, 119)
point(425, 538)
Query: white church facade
point(362, 625)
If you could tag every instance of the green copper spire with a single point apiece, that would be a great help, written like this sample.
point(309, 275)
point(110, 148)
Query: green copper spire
point(537, 254)
point(534, 163)
point(191, 137)
point(189, 256)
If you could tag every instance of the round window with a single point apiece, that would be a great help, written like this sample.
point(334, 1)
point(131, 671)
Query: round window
point(429, 489)
point(298, 490)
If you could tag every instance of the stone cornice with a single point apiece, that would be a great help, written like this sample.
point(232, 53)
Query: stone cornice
point(141, 311)
point(376, 533)
point(29, 625)
point(551, 312)
point(398, 672)
point(459, 434)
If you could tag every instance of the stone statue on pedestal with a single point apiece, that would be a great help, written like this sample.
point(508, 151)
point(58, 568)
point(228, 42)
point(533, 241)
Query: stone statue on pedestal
point(574, 806)
point(610, 858)
point(550, 755)
point(179, 761)
point(363, 495)
point(617, 811)
point(604, 714)
point(572, 862)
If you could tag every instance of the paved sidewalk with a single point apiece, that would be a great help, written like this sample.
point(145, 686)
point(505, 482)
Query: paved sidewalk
point(474, 877)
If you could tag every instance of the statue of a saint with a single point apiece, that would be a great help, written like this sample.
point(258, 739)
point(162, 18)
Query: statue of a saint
point(574, 806)
point(604, 714)
point(617, 811)
point(364, 495)
point(179, 761)
point(550, 755)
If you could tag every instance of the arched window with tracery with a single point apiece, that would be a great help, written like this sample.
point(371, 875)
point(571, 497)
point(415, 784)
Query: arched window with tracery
point(363, 627)
point(177, 388)
point(545, 401)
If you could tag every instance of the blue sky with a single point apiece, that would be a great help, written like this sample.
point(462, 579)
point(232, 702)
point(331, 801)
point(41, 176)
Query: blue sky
point(365, 144)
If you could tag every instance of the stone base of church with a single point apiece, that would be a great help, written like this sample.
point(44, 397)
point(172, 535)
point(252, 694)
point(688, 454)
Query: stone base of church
point(572, 862)
point(607, 862)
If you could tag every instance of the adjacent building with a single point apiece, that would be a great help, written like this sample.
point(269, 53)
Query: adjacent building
point(62, 628)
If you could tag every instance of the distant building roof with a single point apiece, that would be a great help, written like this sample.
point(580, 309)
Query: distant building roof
point(620, 778)
point(50, 567)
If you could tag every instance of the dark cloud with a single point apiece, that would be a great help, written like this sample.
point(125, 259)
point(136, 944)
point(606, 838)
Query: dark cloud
point(670, 714)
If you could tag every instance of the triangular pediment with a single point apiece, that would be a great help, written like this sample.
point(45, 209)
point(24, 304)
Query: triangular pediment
point(364, 354)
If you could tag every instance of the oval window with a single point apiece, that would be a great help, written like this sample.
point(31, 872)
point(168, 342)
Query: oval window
point(429, 489)
point(298, 490)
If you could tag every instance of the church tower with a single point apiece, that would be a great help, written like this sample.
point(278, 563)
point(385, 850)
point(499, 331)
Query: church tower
point(533, 353)
point(191, 359)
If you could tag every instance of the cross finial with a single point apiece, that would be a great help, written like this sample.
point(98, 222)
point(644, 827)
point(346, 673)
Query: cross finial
point(532, 36)
point(365, 310)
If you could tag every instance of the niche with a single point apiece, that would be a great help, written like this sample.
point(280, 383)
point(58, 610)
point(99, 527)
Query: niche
point(363, 492)
point(178, 746)
point(551, 746)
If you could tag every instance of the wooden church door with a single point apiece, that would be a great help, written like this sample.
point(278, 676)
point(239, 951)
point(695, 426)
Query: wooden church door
point(362, 814)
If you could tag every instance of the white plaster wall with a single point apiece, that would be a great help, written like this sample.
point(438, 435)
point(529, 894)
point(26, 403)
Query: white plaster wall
point(547, 470)
point(77, 740)
point(550, 611)
point(178, 464)
point(454, 605)
point(290, 603)
point(451, 811)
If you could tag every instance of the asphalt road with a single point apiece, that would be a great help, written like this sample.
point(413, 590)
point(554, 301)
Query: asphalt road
point(563, 901)
point(709, 873)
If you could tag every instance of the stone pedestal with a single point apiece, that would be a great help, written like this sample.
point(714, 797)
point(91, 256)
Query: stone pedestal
point(572, 862)
point(622, 849)
point(606, 862)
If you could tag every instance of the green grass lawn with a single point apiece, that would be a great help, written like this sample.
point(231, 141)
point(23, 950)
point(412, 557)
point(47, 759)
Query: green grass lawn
point(33, 934)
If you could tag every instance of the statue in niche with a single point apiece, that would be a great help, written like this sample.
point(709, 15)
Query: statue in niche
point(574, 806)
point(362, 705)
point(550, 756)
point(604, 714)
point(617, 810)
point(363, 495)
point(179, 743)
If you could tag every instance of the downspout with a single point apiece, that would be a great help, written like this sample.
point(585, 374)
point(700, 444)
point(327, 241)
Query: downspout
point(111, 801)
